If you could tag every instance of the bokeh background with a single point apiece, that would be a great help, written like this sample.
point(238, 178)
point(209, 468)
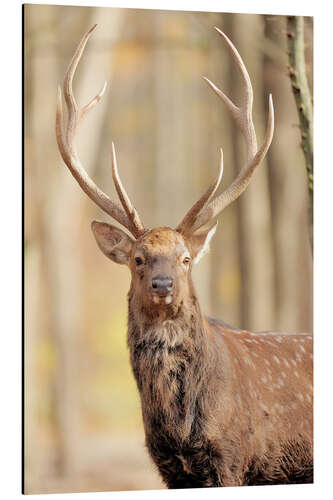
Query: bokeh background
point(83, 429)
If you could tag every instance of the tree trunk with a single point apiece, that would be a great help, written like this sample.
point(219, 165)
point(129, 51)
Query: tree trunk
point(225, 253)
point(257, 264)
point(299, 83)
point(288, 189)
point(59, 218)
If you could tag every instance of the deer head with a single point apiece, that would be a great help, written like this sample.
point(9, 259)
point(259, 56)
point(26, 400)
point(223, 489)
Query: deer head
point(160, 259)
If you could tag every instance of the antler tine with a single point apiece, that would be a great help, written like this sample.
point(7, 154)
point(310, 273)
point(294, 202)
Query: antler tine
point(186, 224)
point(242, 68)
point(129, 219)
point(68, 83)
point(243, 117)
point(238, 186)
point(72, 108)
point(234, 110)
point(93, 101)
point(123, 196)
point(241, 114)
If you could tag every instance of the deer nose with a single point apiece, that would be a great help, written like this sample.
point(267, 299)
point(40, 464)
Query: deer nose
point(162, 285)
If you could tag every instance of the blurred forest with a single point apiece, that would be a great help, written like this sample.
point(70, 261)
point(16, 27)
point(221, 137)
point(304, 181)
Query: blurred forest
point(83, 429)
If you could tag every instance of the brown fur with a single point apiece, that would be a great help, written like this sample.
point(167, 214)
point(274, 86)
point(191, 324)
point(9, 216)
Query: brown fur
point(220, 406)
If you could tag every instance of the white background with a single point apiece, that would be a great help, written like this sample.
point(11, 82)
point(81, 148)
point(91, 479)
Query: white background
point(10, 246)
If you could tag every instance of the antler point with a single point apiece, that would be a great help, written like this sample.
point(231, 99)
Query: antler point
point(93, 28)
point(220, 32)
point(113, 157)
point(207, 80)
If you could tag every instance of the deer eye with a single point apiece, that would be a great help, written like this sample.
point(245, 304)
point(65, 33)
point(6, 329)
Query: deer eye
point(138, 261)
point(186, 260)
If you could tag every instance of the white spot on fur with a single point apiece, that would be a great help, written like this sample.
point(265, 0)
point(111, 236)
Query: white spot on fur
point(308, 397)
point(249, 362)
point(302, 348)
point(293, 362)
point(168, 299)
point(296, 373)
point(267, 362)
point(278, 339)
point(238, 400)
point(276, 359)
point(286, 363)
point(300, 397)
point(264, 380)
point(263, 406)
point(284, 375)
point(156, 300)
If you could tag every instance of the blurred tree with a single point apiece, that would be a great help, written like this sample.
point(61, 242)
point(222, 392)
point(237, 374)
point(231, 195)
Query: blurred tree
point(288, 194)
point(225, 254)
point(256, 246)
point(62, 259)
point(59, 209)
point(300, 86)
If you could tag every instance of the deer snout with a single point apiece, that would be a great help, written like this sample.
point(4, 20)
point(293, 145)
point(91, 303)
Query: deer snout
point(162, 285)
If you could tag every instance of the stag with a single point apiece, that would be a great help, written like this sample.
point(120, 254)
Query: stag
point(220, 406)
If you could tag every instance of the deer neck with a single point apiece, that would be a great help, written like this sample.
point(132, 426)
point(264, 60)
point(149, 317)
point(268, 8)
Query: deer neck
point(167, 355)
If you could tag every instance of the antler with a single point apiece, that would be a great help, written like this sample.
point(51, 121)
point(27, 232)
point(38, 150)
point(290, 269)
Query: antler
point(66, 143)
point(243, 117)
point(187, 223)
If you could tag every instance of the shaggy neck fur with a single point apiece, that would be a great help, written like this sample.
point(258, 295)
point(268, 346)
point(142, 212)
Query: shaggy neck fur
point(175, 365)
point(168, 348)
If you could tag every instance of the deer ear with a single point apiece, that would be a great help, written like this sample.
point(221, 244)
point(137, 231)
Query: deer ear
point(199, 242)
point(113, 242)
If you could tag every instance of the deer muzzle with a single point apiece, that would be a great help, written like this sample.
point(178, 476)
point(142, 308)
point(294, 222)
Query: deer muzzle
point(162, 285)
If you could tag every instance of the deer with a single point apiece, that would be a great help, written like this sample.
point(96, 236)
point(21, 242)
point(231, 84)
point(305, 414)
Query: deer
point(221, 406)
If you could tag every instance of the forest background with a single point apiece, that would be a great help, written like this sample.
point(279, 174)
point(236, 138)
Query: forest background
point(83, 429)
